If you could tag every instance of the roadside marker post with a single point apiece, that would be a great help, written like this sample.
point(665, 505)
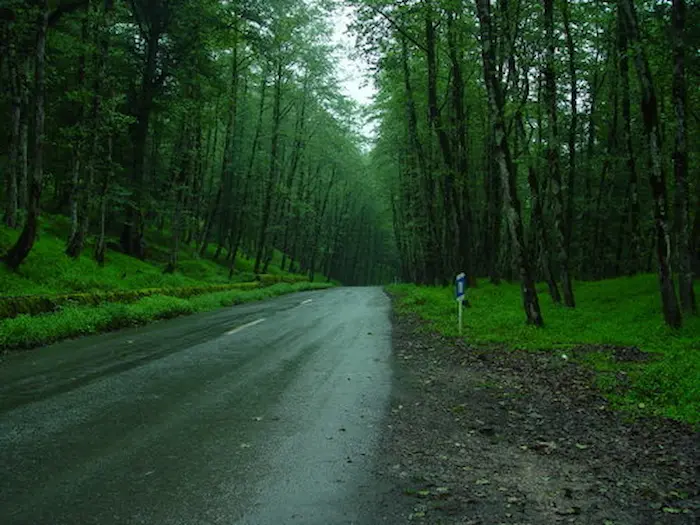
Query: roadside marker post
point(459, 294)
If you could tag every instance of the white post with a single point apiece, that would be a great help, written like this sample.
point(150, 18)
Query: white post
point(459, 306)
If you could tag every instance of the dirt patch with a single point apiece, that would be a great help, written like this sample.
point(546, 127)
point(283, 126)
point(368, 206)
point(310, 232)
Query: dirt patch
point(622, 354)
point(491, 436)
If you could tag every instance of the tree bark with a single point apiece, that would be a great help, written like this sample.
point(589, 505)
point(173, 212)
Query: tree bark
point(650, 114)
point(237, 230)
point(462, 206)
point(183, 170)
point(494, 207)
point(449, 222)
point(80, 191)
point(632, 206)
point(273, 172)
point(100, 244)
point(539, 226)
point(429, 236)
point(573, 128)
point(555, 179)
point(506, 168)
point(680, 162)
point(132, 239)
point(23, 166)
point(14, 257)
point(13, 169)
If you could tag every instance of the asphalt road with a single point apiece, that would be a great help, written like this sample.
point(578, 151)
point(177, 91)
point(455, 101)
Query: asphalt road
point(266, 413)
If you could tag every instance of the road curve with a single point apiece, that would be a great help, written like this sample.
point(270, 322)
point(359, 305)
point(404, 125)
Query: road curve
point(266, 413)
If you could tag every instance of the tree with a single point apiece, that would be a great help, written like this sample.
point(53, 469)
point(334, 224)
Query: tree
point(505, 167)
point(553, 156)
point(680, 162)
point(650, 114)
point(14, 257)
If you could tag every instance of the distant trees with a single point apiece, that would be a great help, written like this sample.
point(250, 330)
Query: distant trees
point(533, 165)
point(215, 127)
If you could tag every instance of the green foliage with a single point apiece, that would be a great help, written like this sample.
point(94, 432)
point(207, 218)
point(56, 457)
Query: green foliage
point(48, 271)
point(25, 331)
point(38, 304)
point(49, 281)
point(621, 312)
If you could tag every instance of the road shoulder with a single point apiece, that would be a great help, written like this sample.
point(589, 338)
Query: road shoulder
point(493, 436)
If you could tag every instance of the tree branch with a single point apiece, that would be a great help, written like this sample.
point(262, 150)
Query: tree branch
point(398, 27)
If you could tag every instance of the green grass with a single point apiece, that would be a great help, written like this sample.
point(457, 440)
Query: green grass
point(25, 331)
point(47, 270)
point(623, 312)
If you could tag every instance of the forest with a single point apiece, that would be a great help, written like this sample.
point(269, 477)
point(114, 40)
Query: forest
point(213, 123)
point(551, 141)
point(546, 141)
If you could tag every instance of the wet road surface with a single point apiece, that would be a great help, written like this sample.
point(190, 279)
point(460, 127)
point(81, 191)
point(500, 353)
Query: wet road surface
point(266, 413)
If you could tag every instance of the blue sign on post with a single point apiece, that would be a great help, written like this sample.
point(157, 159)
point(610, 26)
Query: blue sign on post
point(460, 283)
point(459, 286)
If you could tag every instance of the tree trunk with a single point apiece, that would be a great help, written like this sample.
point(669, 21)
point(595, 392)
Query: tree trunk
point(238, 229)
point(680, 162)
point(632, 205)
point(494, 208)
point(72, 248)
point(695, 235)
point(429, 235)
point(506, 168)
point(180, 181)
point(13, 169)
point(74, 245)
point(553, 157)
point(650, 114)
point(100, 243)
point(14, 257)
point(538, 226)
point(571, 180)
point(273, 172)
point(462, 206)
point(132, 234)
point(23, 166)
point(449, 222)
point(596, 254)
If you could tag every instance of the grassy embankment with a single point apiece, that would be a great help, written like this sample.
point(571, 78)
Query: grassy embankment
point(621, 312)
point(48, 272)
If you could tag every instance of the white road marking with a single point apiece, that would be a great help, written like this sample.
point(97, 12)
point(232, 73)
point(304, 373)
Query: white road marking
point(243, 327)
point(306, 302)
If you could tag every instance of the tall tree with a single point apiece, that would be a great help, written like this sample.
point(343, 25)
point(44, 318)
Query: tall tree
point(650, 115)
point(14, 257)
point(680, 161)
point(506, 167)
point(553, 160)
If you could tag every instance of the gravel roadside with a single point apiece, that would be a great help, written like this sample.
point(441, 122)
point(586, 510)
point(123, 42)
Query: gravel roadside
point(491, 436)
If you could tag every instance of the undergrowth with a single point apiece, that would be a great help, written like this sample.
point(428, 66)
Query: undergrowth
point(47, 270)
point(72, 321)
point(624, 312)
